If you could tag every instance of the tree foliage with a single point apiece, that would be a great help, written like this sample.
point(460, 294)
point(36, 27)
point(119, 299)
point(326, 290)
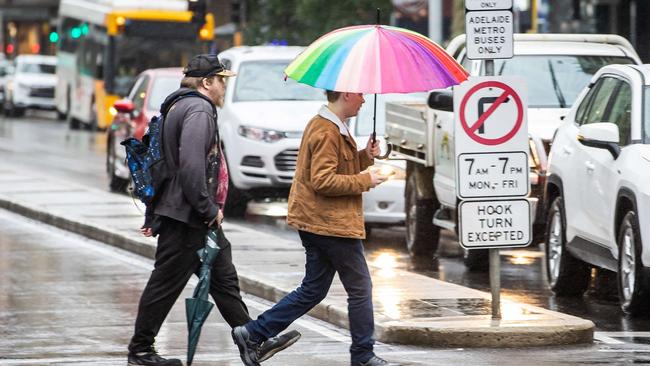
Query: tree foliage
point(300, 22)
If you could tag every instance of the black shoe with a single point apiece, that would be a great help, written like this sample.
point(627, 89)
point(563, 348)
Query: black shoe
point(276, 344)
point(151, 359)
point(248, 350)
point(376, 361)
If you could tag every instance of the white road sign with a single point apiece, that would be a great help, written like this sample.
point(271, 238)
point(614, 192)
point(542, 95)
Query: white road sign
point(489, 34)
point(488, 4)
point(495, 224)
point(499, 174)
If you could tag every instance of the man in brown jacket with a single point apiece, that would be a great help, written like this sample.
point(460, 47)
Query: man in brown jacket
point(325, 206)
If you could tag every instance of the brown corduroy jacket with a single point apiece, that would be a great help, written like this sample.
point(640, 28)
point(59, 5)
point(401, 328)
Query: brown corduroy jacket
point(325, 197)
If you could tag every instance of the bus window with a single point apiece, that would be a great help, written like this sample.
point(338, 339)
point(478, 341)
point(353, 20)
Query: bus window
point(68, 43)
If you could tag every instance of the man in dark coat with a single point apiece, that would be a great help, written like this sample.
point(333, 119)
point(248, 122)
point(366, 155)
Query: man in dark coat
point(189, 204)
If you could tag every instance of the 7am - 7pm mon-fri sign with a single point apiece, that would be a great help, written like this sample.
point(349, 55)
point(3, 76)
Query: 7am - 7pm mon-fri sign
point(491, 141)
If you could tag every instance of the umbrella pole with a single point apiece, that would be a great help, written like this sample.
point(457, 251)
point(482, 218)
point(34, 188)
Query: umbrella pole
point(374, 115)
point(374, 121)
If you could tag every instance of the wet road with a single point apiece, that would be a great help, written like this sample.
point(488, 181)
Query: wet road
point(67, 300)
point(46, 145)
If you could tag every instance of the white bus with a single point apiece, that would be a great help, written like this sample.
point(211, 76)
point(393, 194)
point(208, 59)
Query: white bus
point(104, 44)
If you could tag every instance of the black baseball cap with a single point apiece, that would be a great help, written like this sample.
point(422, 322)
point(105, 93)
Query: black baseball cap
point(205, 66)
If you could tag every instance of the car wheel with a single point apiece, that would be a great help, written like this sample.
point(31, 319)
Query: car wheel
point(567, 275)
point(73, 123)
point(8, 107)
point(236, 202)
point(93, 125)
point(116, 184)
point(368, 230)
point(421, 234)
point(476, 260)
point(632, 287)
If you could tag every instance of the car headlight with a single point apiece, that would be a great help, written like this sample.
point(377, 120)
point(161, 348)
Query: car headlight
point(261, 134)
point(390, 171)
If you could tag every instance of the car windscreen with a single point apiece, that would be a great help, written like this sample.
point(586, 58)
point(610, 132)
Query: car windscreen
point(162, 86)
point(555, 81)
point(30, 68)
point(265, 81)
point(364, 118)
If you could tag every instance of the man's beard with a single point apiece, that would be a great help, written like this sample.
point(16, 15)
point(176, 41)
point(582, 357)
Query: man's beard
point(219, 102)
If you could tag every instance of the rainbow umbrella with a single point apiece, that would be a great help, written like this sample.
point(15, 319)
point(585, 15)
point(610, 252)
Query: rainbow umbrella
point(375, 59)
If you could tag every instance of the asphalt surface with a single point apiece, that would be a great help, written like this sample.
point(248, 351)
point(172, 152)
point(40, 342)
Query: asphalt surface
point(40, 142)
point(68, 300)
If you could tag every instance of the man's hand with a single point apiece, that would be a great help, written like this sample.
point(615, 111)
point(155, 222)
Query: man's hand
point(376, 178)
point(146, 231)
point(216, 222)
point(372, 149)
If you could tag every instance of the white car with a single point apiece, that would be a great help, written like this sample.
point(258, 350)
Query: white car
point(261, 122)
point(384, 204)
point(6, 70)
point(598, 188)
point(31, 85)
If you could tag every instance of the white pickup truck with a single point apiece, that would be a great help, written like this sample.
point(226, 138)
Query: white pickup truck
point(556, 67)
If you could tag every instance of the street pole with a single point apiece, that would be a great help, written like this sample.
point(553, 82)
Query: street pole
point(633, 24)
point(495, 260)
point(435, 20)
point(533, 16)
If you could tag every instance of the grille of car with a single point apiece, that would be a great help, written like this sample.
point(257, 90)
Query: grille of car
point(286, 160)
point(42, 92)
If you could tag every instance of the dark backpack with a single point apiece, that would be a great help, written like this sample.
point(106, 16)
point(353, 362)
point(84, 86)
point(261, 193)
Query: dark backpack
point(146, 158)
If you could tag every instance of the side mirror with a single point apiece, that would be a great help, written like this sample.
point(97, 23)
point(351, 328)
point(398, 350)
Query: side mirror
point(124, 106)
point(441, 99)
point(602, 135)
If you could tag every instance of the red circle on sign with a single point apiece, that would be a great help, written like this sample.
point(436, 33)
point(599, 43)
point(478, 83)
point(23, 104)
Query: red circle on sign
point(507, 90)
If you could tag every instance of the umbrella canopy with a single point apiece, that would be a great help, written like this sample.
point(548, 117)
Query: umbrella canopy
point(376, 59)
point(198, 307)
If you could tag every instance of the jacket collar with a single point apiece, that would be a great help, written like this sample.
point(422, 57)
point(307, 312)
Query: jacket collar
point(326, 113)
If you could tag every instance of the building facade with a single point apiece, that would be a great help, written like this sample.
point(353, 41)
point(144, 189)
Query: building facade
point(627, 18)
point(26, 25)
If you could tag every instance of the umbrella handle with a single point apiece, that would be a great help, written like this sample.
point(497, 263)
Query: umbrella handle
point(389, 149)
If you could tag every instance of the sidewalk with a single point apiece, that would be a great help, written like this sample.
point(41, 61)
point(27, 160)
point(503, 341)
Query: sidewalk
point(409, 308)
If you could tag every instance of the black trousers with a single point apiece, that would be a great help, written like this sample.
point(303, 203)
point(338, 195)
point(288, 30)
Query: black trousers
point(176, 261)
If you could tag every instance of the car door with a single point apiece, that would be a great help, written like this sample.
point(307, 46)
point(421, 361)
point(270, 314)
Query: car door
point(601, 169)
point(591, 183)
point(567, 155)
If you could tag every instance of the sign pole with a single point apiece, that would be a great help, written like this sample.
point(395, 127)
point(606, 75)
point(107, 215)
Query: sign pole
point(495, 259)
point(489, 31)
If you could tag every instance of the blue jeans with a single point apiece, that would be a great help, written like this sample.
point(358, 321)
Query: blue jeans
point(327, 255)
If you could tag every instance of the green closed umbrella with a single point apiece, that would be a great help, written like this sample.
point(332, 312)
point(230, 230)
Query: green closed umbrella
point(198, 307)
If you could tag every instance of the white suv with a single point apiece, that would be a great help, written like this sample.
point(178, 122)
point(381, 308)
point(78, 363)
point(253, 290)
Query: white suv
point(598, 188)
point(31, 85)
point(262, 120)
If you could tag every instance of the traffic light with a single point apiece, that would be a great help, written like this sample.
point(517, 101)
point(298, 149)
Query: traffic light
point(235, 11)
point(199, 9)
point(54, 37)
